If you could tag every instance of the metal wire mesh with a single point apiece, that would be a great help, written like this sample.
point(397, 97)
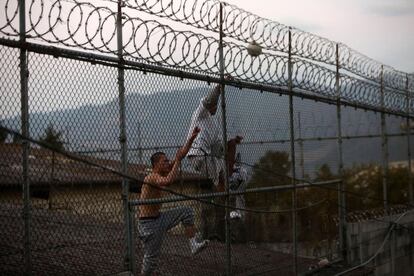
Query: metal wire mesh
point(111, 83)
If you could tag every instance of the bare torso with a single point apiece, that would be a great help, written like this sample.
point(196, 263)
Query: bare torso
point(148, 192)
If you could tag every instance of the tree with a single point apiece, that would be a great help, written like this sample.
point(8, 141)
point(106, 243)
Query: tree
point(324, 173)
point(53, 138)
point(271, 170)
point(363, 184)
point(365, 187)
point(315, 222)
point(398, 185)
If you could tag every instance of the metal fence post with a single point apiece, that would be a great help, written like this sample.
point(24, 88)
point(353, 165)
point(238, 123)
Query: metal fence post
point(384, 143)
point(24, 75)
point(224, 128)
point(341, 190)
point(131, 214)
point(292, 153)
point(300, 142)
point(393, 251)
point(384, 146)
point(123, 140)
point(410, 184)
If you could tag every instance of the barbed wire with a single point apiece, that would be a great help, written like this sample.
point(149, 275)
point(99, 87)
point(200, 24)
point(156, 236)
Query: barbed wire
point(380, 248)
point(92, 27)
point(246, 26)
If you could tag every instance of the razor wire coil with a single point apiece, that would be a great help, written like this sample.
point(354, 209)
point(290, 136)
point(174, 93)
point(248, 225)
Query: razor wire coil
point(92, 27)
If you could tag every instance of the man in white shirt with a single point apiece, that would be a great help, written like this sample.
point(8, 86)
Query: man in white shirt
point(207, 153)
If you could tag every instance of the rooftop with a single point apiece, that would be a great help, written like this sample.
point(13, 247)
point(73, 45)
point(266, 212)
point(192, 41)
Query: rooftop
point(47, 167)
point(81, 245)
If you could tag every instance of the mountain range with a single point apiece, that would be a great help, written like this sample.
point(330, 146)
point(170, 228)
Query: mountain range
point(161, 119)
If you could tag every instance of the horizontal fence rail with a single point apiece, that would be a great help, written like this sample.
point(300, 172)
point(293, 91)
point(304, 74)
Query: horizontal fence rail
point(232, 193)
point(81, 25)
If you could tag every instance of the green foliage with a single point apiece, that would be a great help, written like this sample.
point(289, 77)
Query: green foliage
point(398, 189)
point(53, 138)
point(367, 180)
point(271, 170)
point(324, 174)
point(363, 184)
point(363, 180)
point(315, 223)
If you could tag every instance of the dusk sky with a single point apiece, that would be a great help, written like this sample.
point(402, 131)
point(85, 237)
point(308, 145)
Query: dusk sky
point(380, 29)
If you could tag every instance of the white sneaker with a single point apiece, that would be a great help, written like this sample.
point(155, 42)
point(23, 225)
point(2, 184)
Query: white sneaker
point(235, 214)
point(197, 247)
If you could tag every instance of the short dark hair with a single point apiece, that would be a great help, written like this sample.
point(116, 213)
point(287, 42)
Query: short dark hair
point(156, 157)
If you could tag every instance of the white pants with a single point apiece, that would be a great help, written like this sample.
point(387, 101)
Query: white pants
point(238, 183)
point(209, 166)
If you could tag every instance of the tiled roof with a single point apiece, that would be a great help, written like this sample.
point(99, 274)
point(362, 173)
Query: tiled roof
point(46, 167)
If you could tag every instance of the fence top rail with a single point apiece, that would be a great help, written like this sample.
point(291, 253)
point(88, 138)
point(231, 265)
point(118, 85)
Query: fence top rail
point(246, 27)
point(90, 25)
point(170, 199)
point(352, 98)
point(146, 39)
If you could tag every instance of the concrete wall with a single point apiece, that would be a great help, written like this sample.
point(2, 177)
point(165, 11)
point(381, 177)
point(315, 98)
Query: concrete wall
point(98, 202)
point(364, 239)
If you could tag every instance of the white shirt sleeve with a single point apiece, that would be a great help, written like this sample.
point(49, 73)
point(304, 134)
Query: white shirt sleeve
point(200, 118)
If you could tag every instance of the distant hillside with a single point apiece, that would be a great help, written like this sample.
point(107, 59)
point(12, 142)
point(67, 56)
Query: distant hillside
point(162, 119)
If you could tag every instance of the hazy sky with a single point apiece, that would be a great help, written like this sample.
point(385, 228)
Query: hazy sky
point(380, 29)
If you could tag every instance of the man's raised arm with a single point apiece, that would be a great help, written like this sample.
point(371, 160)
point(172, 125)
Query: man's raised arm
point(181, 153)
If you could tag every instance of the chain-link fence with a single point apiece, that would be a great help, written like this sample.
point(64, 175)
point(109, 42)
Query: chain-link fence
point(302, 162)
